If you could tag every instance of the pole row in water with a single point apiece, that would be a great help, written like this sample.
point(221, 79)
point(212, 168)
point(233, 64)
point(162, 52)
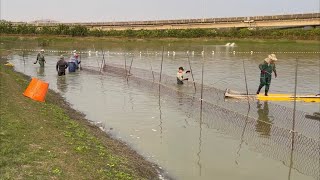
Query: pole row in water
point(174, 53)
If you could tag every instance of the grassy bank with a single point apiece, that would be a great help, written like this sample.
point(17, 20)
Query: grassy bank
point(52, 141)
point(63, 38)
point(83, 31)
point(128, 44)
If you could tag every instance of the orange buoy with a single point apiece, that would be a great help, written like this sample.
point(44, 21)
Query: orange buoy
point(37, 90)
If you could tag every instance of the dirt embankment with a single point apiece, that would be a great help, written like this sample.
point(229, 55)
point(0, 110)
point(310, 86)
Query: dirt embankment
point(53, 141)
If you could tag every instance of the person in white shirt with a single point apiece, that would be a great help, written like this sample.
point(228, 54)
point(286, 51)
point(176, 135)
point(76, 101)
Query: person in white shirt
point(180, 75)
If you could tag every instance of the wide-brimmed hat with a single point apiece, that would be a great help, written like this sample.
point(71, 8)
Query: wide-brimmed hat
point(272, 57)
point(42, 50)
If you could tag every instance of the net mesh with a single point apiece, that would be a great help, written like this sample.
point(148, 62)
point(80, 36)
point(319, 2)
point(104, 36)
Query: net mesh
point(264, 126)
point(269, 136)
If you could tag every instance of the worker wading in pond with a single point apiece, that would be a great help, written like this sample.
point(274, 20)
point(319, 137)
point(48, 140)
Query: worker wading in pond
point(61, 66)
point(266, 69)
point(40, 58)
point(180, 75)
point(74, 62)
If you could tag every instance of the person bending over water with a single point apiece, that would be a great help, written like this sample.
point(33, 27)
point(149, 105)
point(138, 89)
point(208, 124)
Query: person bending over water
point(180, 75)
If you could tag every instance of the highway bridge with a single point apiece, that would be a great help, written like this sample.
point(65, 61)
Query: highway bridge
point(275, 21)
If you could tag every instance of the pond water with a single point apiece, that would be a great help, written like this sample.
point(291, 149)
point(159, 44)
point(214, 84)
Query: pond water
point(224, 139)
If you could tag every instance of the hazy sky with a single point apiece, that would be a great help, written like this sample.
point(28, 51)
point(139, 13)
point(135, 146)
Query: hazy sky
point(123, 10)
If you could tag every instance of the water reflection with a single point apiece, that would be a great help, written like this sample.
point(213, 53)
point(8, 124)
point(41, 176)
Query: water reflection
point(215, 118)
point(315, 116)
point(40, 72)
point(61, 84)
point(242, 134)
point(264, 123)
point(104, 100)
point(199, 149)
point(291, 157)
point(200, 137)
point(180, 95)
point(160, 113)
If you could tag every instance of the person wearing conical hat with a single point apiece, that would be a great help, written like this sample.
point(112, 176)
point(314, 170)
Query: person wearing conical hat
point(266, 68)
point(40, 58)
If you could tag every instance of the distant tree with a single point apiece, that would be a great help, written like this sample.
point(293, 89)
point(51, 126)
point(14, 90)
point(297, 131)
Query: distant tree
point(62, 29)
point(79, 30)
point(6, 27)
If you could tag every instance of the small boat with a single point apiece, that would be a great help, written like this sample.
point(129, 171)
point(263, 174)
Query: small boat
point(272, 97)
point(238, 95)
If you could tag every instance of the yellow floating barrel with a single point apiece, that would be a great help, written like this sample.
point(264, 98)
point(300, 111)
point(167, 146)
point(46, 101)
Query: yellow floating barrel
point(37, 90)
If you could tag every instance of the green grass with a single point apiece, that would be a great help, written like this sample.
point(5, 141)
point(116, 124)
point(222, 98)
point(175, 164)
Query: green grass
point(171, 44)
point(83, 31)
point(40, 141)
point(70, 39)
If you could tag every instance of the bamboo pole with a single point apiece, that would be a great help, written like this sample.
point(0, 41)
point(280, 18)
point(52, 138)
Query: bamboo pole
point(295, 97)
point(150, 66)
point(191, 72)
point(245, 80)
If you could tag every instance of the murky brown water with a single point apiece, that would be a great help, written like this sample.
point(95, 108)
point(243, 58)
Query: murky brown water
point(224, 143)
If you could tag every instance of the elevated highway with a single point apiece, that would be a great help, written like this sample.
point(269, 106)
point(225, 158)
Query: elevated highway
point(290, 20)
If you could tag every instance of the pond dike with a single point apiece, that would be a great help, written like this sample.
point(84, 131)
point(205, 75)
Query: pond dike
point(265, 127)
point(54, 134)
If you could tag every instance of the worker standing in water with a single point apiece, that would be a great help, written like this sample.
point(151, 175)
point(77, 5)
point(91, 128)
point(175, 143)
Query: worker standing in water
point(74, 63)
point(266, 68)
point(61, 66)
point(180, 75)
point(77, 61)
point(40, 58)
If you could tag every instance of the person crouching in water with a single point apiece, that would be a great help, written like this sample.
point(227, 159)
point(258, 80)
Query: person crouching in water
point(40, 58)
point(180, 75)
point(61, 66)
point(266, 69)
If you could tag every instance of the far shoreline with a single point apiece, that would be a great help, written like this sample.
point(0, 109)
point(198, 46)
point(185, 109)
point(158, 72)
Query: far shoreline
point(10, 37)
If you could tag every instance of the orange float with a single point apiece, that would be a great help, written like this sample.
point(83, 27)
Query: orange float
point(37, 90)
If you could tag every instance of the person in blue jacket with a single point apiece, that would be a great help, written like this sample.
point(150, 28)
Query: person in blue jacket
point(73, 63)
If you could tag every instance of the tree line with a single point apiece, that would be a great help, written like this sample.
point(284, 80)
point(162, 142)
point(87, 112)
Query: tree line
point(78, 30)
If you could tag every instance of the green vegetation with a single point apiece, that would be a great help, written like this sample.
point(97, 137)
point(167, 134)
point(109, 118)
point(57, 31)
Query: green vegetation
point(43, 141)
point(310, 34)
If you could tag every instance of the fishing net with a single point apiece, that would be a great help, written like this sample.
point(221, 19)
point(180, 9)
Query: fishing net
point(265, 127)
